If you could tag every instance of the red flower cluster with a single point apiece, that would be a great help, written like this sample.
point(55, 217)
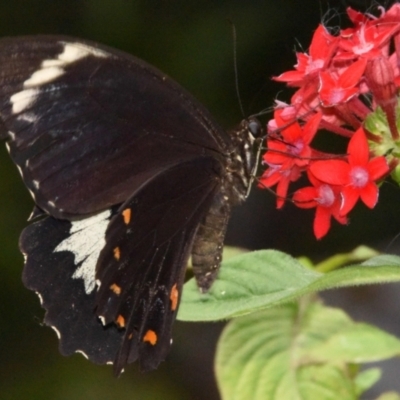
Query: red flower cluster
point(344, 81)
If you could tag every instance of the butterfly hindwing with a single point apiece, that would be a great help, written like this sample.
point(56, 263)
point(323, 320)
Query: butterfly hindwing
point(141, 268)
point(57, 276)
point(72, 109)
point(111, 283)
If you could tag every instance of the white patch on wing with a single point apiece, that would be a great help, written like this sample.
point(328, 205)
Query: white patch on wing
point(75, 51)
point(18, 167)
point(83, 353)
point(29, 190)
point(27, 117)
point(56, 331)
point(43, 75)
point(49, 70)
point(23, 99)
point(40, 298)
point(86, 240)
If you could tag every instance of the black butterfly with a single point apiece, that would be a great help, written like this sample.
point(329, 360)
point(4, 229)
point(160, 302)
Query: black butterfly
point(130, 175)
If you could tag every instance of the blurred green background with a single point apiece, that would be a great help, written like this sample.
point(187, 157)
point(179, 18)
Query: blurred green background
point(192, 42)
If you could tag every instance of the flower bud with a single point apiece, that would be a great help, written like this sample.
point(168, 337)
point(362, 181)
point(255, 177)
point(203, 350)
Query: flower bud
point(380, 79)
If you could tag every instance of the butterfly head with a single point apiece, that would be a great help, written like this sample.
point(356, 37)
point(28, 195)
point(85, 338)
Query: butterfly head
point(254, 128)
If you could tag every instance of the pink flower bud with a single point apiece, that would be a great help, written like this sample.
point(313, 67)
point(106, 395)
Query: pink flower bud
point(380, 79)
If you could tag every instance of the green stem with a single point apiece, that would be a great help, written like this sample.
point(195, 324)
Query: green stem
point(337, 261)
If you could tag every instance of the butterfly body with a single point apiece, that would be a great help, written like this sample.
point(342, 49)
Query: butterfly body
point(132, 176)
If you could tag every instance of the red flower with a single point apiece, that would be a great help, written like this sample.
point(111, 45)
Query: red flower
point(321, 49)
point(336, 89)
point(369, 38)
point(275, 175)
point(356, 177)
point(293, 145)
point(345, 81)
point(326, 199)
point(288, 153)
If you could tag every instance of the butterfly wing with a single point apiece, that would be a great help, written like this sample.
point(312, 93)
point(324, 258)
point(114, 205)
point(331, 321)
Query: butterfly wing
point(136, 256)
point(88, 125)
point(55, 276)
point(126, 164)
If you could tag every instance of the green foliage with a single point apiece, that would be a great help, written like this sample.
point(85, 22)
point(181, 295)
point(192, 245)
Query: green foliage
point(262, 279)
point(301, 349)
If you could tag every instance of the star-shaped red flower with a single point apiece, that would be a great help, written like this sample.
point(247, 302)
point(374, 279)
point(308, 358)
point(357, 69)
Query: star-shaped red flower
point(357, 177)
point(326, 200)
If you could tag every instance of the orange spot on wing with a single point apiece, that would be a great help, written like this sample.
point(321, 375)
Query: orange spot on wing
point(174, 297)
point(116, 289)
point(150, 337)
point(127, 215)
point(117, 253)
point(120, 321)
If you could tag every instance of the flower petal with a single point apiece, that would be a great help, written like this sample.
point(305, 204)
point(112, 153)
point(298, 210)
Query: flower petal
point(311, 127)
point(369, 194)
point(292, 132)
point(357, 149)
point(352, 75)
point(334, 172)
point(281, 191)
point(342, 219)
point(277, 152)
point(321, 43)
point(293, 78)
point(305, 197)
point(270, 177)
point(322, 222)
point(377, 168)
point(350, 196)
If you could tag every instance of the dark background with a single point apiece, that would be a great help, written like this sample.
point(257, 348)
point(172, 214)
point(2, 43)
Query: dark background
point(192, 42)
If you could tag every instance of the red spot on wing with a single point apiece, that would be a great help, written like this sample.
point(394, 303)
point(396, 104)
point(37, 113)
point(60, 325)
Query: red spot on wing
point(150, 337)
point(116, 289)
point(126, 214)
point(120, 321)
point(117, 253)
point(174, 297)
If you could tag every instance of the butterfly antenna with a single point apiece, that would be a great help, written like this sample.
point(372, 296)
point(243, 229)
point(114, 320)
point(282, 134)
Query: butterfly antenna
point(234, 38)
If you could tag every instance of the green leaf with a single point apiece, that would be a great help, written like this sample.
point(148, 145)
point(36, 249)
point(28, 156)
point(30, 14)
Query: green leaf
point(245, 283)
point(366, 379)
point(389, 396)
point(357, 343)
point(273, 355)
point(359, 254)
point(323, 382)
point(262, 279)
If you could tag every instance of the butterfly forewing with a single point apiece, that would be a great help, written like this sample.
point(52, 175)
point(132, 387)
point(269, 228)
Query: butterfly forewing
point(89, 125)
